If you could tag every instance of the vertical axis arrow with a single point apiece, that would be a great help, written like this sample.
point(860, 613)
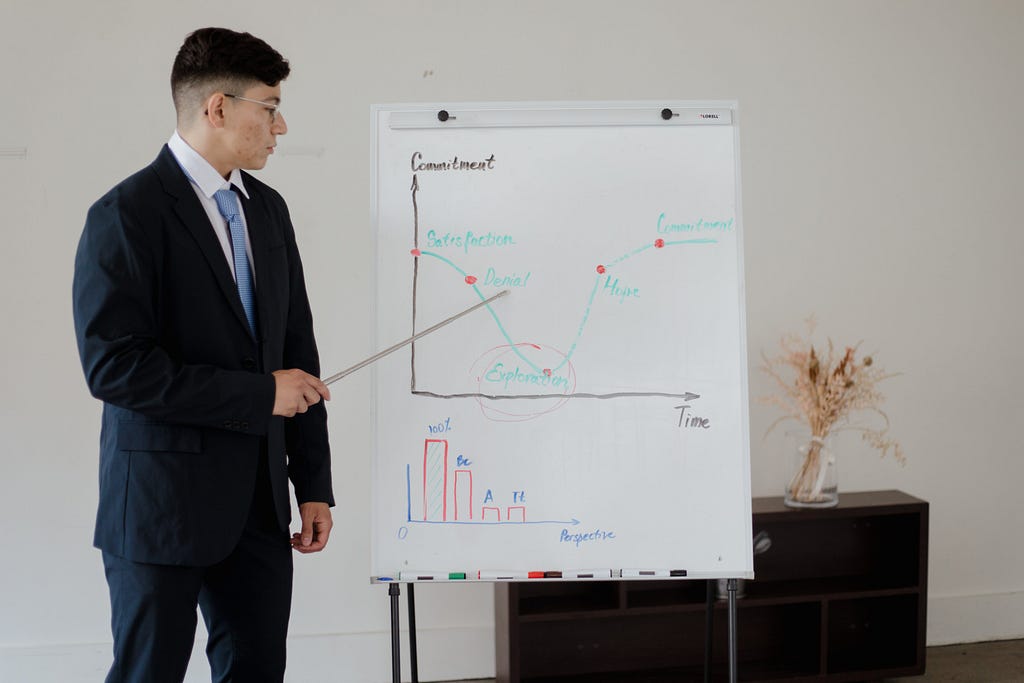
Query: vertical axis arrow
point(415, 275)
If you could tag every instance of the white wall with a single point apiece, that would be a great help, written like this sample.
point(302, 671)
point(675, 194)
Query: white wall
point(881, 151)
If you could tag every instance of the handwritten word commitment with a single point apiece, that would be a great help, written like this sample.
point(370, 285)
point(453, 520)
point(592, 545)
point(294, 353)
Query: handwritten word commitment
point(418, 164)
point(701, 225)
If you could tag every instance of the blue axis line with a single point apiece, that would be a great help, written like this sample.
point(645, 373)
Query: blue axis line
point(410, 520)
point(586, 313)
point(571, 522)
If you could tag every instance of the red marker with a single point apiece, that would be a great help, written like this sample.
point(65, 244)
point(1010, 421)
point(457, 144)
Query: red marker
point(535, 575)
point(659, 243)
point(600, 269)
point(415, 252)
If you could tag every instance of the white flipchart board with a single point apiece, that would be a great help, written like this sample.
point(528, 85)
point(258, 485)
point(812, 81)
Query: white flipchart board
point(595, 419)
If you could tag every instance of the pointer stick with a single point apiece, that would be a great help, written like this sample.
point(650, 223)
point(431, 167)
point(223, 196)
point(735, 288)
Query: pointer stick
point(378, 356)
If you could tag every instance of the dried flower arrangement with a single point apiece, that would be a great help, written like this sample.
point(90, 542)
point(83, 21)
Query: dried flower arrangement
point(823, 392)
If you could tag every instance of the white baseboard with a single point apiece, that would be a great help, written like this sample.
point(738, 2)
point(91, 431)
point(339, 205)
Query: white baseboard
point(452, 654)
point(975, 618)
point(443, 655)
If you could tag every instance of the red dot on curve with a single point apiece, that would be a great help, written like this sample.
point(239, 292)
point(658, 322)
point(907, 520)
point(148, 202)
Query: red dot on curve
point(659, 243)
point(470, 279)
point(600, 269)
point(414, 252)
point(547, 371)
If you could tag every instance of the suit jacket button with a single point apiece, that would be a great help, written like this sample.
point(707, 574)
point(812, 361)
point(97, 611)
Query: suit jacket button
point(249, 363)
point(227, 424)
point(245, 424)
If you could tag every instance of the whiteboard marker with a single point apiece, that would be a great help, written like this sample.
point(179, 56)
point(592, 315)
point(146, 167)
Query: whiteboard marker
point(643, 573)
point(502, 576)
point(651, 573)
point(406, 577)
point(590, 573)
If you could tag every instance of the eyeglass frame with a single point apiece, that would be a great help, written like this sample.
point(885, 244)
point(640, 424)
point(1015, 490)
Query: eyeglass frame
point(272, 108)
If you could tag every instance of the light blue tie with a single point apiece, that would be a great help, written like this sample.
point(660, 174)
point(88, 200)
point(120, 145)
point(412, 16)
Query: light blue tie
point(227, 204)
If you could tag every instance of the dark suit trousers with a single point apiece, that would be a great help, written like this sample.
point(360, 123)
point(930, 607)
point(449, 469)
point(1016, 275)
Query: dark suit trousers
point(245, 600)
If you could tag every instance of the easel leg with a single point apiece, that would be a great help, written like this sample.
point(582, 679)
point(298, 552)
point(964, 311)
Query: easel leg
point(732, 630)
point(396, 659)
point(412, 634)
point(709, 628)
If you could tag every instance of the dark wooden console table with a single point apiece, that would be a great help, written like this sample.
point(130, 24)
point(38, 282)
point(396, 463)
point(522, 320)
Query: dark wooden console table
point(840, 596)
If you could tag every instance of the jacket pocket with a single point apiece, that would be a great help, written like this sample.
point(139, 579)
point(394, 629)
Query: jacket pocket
point(148, 436)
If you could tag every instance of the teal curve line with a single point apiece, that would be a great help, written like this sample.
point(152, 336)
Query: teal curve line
point(501, 328)
point(586, 313)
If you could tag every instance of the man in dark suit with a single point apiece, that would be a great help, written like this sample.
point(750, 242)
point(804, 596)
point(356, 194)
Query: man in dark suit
point(194, 329)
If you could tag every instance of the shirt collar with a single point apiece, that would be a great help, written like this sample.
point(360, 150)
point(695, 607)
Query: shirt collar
point(200, 172)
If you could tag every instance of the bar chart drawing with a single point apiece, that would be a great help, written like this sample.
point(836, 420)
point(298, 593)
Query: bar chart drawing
point(597, 415)
point(463, 497)
point(435, 480)
point(452, 499)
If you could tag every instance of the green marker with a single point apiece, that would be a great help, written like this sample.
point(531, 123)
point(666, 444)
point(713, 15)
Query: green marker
point(453, 576)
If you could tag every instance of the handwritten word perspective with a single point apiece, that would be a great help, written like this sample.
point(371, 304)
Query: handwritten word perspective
point(596, 535)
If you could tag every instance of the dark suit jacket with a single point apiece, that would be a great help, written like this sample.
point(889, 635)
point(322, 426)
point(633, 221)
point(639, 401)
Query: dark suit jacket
point(186, 388)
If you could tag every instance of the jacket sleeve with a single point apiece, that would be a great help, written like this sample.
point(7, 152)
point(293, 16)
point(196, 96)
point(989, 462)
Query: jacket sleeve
point(115, 296)
point(306, 438)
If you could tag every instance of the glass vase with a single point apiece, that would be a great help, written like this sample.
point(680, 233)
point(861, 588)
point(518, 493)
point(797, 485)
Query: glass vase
point(811, 479)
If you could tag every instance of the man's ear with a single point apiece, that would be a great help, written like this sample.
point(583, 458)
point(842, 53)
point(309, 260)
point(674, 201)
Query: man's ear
point(214, 110)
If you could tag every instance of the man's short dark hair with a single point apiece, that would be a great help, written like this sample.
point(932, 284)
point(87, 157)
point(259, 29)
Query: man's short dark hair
point(213, 59)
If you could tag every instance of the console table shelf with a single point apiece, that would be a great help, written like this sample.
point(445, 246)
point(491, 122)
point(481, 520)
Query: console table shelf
point(840, 596)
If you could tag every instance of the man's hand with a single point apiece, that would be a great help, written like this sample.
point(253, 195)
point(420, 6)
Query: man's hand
point(316, 528)
point(296, 391)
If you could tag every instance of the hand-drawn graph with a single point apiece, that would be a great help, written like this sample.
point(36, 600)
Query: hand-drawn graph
point(594, 417)
point(441, 491)
point(587, 322)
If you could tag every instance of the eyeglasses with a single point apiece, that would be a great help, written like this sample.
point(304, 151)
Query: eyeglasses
point(272, 108)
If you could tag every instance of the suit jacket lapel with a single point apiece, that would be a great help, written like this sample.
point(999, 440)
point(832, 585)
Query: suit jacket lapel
point(192, 214)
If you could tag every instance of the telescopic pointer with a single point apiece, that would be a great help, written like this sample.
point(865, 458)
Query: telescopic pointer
point(390, 349)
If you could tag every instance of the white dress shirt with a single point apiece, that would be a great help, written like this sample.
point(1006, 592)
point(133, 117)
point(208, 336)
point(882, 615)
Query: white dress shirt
point(206, 181)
